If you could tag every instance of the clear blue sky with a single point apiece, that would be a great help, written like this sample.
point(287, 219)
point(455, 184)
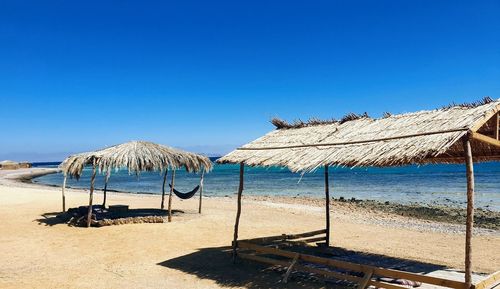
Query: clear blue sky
point(209, 75)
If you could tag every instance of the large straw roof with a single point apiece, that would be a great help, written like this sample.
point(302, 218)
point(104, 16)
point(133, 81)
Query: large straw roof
point(8, 162)
point(137, 156)
point(412, 138)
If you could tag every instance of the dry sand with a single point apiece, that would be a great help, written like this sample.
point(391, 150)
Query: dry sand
point(39, 252)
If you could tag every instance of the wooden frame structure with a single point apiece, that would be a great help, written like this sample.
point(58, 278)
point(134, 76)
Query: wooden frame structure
point(273, 250)
point(484, 132)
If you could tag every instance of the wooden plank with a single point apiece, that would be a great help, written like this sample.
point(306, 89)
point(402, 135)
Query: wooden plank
point(318, 271)
point(304, 257)
point(286, 237)
point(365, 280)
point(489, 282)
point(262, 240)
point(485, 119)
point(385, 285)
point(295, 242)
point(306, 234)
point(302, 242)
point(313, 240)
point(325, 273)
point(486, 139)
point(357, 267)
point(290, 268)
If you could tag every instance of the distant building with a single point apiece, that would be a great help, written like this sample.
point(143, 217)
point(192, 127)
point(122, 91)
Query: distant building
point(25, 165)
point(11, 165)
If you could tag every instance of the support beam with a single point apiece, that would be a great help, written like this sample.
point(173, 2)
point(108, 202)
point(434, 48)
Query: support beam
point(238, 213)
point(327, 206)
point(485, 119)
point(351, 142)
point(485, 139)
point(91, 195)
point(163, 189)
point(497, 126)
point(170, 197)
point(290, 268)
point(489, 282)
point(105, 191)
point(201, 190)
point(366, 278)
point(470, 212)
point(63, 193)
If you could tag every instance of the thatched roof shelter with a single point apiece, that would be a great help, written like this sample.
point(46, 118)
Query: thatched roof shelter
point(136, 156)
point(463, 133)
point(9, 165)
point(412, 138)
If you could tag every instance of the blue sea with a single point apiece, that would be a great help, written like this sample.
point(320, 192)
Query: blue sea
point(428, 184)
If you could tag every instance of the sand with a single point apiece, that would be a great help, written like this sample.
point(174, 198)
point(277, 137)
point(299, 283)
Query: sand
point(39, 252)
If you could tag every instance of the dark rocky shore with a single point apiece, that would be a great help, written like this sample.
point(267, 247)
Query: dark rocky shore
point(483, 218)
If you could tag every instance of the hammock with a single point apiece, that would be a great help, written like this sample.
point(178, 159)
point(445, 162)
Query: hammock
point(187, 195)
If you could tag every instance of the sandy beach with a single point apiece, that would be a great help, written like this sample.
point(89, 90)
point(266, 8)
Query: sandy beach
point(37, 251)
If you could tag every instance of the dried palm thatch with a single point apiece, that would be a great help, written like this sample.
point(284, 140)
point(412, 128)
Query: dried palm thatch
point(357, 140)
point(137, 156)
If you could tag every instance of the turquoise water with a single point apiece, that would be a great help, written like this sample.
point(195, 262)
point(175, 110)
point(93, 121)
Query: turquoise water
point(430, 184)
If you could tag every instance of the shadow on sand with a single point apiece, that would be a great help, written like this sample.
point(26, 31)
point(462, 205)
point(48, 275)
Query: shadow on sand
point(216, 264)
point(57, 218)
point(50, 219)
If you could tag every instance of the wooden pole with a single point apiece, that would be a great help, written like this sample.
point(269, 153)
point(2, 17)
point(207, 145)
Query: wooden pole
point(238, 213)
point(63, 194)
point(497, 126)
point(170, 198)
point(163, 189)
point(108, 173)
point(92, 182)
point(327, 206)
point(201, 190)
point(470, 212)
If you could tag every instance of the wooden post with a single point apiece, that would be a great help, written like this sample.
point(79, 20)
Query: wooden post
point(327, 205)
point(163, 189)
point(470, 212)
point(170, 197)
point(238, 213)
point(108, 173)
point(63, 195)
point(201, 190)
point(497, 125)
point(92, 182)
